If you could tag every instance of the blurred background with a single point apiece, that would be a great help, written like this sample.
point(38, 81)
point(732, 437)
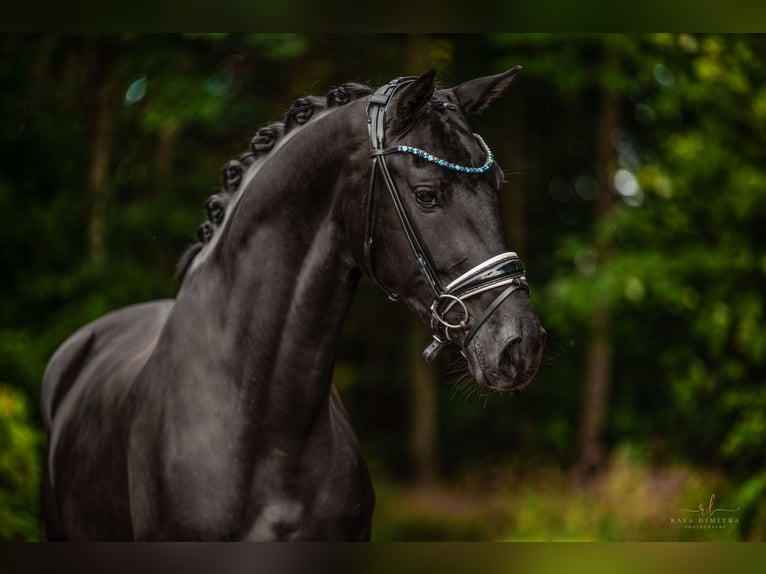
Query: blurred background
point(636, 195)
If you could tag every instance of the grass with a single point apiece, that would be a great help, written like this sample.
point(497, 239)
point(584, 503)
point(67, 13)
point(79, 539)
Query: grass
point(630, 501)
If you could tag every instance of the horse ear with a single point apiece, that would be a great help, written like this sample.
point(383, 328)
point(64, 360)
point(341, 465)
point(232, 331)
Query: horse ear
point(475, 95)
point(412, 99)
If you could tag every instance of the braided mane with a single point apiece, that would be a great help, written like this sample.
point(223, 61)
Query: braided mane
point(263, 142)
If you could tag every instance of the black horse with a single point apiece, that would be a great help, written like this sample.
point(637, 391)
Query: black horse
point(213, 416)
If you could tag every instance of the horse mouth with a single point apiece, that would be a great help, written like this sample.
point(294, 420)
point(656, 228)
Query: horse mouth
point(499, 382)
point(511, 368)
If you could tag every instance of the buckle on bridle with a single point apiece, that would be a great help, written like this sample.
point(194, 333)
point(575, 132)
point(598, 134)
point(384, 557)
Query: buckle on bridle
point(432, 350)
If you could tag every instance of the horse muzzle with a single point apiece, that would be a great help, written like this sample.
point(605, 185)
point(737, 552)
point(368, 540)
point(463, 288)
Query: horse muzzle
point(506, 354)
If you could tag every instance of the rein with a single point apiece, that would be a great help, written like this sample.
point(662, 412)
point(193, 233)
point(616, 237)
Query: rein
point(503, 270)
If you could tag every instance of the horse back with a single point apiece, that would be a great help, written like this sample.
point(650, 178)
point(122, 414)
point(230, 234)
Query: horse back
point(72, 356)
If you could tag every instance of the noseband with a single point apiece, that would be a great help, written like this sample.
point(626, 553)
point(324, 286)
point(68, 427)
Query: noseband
point(503, 270)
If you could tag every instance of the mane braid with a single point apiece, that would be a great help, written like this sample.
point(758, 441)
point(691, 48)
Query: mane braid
point(302, 111)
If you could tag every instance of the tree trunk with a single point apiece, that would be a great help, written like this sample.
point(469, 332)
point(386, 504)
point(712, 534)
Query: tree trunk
point(514, 166)
point(423, 443)
point(598, 374)
point(598, 367)
point(424, 409)
point(166, 144)
point(99, 184)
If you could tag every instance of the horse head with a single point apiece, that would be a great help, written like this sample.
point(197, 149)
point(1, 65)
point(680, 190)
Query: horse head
point(433, 235)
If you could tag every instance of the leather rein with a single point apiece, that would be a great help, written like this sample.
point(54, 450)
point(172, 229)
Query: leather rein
point(503, 270)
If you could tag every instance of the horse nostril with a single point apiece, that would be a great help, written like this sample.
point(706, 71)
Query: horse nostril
point(509, 358)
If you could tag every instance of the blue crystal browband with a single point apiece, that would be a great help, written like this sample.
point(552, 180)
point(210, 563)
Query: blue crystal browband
point(444, 163)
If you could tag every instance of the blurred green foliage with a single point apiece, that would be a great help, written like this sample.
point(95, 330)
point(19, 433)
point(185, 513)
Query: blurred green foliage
point(20, 463)
point(683, 276)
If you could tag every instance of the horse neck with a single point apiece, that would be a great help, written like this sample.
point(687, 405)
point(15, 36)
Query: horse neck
point(274, 291)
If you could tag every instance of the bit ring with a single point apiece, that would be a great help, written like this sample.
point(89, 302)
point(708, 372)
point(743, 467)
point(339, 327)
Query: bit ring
point(463, 324)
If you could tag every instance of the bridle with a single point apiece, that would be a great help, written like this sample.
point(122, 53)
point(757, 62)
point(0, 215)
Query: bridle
point(503, 270)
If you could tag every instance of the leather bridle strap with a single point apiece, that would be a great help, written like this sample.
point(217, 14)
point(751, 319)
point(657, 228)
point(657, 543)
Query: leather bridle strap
point(477, 323)
point(417, 248)
point(376, 112)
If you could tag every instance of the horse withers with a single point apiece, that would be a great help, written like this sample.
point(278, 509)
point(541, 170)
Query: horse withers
point(213, 416)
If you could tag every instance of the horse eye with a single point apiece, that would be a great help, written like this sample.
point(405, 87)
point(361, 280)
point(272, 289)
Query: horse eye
point(425, 197)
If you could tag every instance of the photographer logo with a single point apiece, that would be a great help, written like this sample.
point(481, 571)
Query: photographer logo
point(706, 517)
